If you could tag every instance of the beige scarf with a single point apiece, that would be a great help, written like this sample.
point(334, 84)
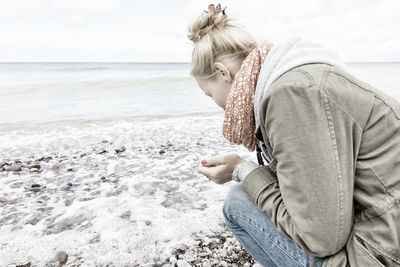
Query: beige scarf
point(239, 124)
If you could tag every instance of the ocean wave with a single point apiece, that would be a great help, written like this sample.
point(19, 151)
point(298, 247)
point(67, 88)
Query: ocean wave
point(77, 123)
point(135, 82)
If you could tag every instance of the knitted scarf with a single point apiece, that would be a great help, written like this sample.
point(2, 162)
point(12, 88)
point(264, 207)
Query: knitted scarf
point(239, 124)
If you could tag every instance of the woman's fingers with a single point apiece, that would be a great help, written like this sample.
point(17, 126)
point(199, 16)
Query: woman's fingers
point(213, 161)
point(211, 172)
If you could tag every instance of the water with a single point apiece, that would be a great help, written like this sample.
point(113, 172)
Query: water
point(44, 92)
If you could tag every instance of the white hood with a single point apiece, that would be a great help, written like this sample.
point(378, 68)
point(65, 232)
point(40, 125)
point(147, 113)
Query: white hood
point(285, 56)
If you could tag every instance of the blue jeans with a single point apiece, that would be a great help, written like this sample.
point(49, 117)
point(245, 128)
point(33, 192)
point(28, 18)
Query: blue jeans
point(258, 236)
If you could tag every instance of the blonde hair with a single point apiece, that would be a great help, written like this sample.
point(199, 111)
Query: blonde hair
point(223, 37)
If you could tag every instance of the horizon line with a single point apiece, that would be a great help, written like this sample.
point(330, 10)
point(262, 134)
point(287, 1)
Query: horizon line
point(186, 62)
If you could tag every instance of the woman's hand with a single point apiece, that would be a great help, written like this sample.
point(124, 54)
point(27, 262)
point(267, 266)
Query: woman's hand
point(219, 169)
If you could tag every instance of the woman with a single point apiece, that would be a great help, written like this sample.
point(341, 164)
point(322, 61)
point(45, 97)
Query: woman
point(330, 192)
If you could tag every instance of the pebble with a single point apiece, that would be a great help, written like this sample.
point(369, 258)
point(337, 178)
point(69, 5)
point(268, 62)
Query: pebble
point(15, 167)
point(120, 150)
point(182, 263)
point(172, 259)
point(34, 165)
point(62, 257)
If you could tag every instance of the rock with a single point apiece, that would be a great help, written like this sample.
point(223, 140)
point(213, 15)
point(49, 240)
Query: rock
point(56, 165)
point(206, 263)
point(223, 252)
point(62, 257)
point(29, 264)
point(223, 263)
point(34, 170)
point(103, 151)
point(2, 164)
point(70, 169)
point(247, 264)
point(15, 167)
point(147, 222)
point(229, 250)
point(172, 259)
point(182, 263)
point(35, 188)
point(162, 151)
point(120, 150)
point(34, 165)
point(256, 265)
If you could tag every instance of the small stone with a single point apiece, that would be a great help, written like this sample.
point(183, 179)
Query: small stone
point(203, 254)
point(223, 252)
point(56, 166)
point(256, 265)
point(120, 150)
point(70, 169)
point(34, 165)
point(35, 188)
point(229, 250)
point(103, 151)
point(2, 164)
point(223, 263)
point(147, 222)
point(206, 263)
point(172, 259)
point(247, 264)
point(34, 169)
point(62, 257)
point(182, 263)
point(162, 151)
point(15, 168)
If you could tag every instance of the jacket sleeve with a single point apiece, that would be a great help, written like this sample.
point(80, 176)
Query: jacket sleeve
point(309, 196)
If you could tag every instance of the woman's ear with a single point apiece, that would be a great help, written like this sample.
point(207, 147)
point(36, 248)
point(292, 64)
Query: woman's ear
point(223, 71)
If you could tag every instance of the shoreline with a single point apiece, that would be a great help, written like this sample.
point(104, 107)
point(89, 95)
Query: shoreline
point(109, 194)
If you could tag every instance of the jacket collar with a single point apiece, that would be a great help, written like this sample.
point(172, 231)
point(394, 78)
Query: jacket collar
point(287, 55)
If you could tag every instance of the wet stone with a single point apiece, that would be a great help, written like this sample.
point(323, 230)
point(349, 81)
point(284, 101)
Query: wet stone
point(34, 165)
point(15, 167)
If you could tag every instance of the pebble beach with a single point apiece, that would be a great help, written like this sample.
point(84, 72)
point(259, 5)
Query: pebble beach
point(111, 192)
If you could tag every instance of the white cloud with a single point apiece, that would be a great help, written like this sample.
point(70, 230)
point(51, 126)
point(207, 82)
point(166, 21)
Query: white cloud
point(126, 30)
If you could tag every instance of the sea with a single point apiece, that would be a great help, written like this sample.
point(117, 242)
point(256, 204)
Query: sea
point(118, 146)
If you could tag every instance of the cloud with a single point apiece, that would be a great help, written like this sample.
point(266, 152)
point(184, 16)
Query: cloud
point(126, 30)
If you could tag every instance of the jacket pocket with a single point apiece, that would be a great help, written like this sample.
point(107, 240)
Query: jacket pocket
point(366, 255)
point(272, 163)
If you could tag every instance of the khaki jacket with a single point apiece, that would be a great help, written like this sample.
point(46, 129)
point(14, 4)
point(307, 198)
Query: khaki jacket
point(333, 186)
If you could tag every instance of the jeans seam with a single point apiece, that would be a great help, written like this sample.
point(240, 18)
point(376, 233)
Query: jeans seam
point(255, 227)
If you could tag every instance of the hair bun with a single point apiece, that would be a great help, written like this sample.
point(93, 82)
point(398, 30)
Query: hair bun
point(207, 21)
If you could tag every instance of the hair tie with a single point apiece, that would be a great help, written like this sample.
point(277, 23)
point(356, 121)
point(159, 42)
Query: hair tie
point(213, 12)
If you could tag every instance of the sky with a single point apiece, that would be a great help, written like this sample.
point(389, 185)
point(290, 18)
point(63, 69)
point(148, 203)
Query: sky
point(155, 30)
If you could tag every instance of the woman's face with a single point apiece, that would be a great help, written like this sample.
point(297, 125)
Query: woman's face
point(217, 88)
